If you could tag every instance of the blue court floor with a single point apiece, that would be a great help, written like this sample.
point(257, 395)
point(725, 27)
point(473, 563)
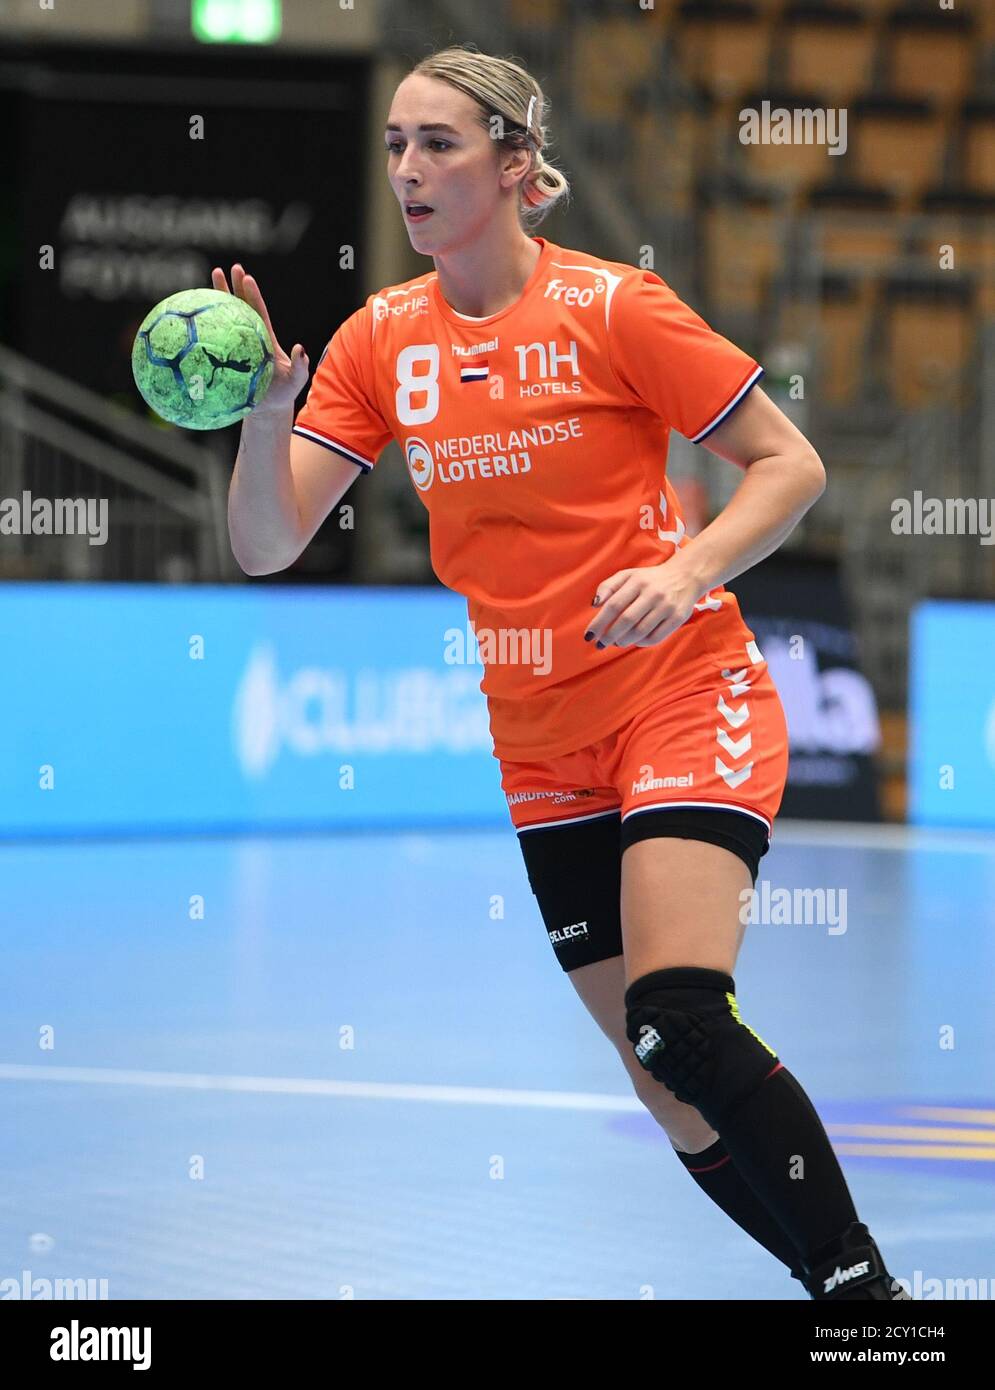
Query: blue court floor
point(359, 1072)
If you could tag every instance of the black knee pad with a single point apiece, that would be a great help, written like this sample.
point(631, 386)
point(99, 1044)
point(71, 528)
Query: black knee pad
point(685, 1027)
point(575, 873)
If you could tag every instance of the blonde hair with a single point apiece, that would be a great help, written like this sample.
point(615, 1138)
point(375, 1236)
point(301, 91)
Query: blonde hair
point(502, 88)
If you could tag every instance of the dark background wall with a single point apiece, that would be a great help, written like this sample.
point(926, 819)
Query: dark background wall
point(99, 164)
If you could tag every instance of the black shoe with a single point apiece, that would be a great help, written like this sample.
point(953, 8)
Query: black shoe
point(851, 1268)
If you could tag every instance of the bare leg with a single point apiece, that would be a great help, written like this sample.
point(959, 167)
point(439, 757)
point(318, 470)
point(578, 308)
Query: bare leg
point(680, 903)
point(602, 987)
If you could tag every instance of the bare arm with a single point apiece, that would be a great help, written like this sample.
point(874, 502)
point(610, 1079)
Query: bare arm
point(283, 485)
point(784, 476)
point(282, 489)
point(264, 520)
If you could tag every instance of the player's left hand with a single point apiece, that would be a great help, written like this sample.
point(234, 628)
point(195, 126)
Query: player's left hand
point(640, 607)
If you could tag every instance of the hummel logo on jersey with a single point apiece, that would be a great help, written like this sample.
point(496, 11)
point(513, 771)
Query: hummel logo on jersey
point(568, 933)
point(648, 1043)
point(460, 350)
point(843, 1276)
point(652, 784)
point(573, 294)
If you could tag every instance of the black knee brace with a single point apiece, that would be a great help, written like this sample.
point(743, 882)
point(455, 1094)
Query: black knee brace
point(685, 1026)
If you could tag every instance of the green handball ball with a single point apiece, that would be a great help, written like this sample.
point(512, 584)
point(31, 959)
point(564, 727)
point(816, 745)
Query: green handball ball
point(203, 359)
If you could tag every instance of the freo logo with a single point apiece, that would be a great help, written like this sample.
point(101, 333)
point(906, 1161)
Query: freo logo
point(420, 463)
point(573, 294)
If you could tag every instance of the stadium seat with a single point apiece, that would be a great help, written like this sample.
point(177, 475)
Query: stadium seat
point(870, 9)
point(663, 151)
point(608, 59)
point(979, 146)
point(844, 322)
point(662, 13)
point(723, 47)
point(542, 15)
point(837, 325)
point(930, 327)
point(896, 143)
point(743, 250)
point(853, 229)
point(859, 243)
point(793, 167)
point(810, 32)
point(965, 221)
point(930, 54)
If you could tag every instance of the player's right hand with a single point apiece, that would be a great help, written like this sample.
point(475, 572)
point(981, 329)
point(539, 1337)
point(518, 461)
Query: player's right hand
point(289, 373)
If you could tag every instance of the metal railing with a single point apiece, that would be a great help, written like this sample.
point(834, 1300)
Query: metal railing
point(69, 458)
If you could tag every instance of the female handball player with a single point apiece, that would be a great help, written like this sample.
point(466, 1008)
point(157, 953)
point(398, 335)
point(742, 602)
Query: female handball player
point(532, 389)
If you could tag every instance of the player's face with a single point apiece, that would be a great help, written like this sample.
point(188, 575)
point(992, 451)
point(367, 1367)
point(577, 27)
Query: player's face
point(446, 172)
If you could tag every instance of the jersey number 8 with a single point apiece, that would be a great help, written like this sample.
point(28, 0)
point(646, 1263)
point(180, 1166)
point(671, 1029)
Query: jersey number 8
point(411, 383)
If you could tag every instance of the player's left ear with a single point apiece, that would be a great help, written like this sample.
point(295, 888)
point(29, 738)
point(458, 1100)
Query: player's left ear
point(515, 166)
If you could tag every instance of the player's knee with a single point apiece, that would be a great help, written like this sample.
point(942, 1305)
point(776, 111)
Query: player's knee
point(683, 1124)
point(686, 1032)
point(662, 1104)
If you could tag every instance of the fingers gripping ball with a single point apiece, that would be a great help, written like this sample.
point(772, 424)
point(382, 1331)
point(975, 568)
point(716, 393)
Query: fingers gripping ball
point(685, 1027)
point(202, 359)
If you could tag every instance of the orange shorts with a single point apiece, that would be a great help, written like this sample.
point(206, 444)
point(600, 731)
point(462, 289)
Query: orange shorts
point(724, 747)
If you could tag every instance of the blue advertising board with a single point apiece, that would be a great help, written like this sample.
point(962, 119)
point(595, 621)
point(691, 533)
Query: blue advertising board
point(139, 708)
point(952, 714)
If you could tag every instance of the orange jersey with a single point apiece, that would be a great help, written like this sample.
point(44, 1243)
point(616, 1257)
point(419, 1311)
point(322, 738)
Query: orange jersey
point(537, 440)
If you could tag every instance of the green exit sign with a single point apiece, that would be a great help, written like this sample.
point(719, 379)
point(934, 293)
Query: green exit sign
point(236, 21)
